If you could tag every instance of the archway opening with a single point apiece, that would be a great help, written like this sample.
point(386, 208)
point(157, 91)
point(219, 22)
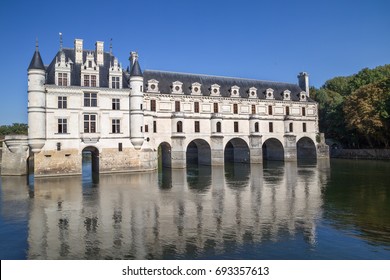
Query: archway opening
point(164, 155)
point(237, 150)
point(306, 149)
point(273, 150)
point(90, 164)
point(198, 152)
point(164, 165)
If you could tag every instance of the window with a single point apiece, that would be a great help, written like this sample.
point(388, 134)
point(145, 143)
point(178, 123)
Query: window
point(179, 126)
point(58, 146)
point(235, 108)
point(197, 128)
point(62, 126)
point(116, 126)
point(177, 106)
point(235, 126)
point(62, 79)
point(253, 109)
point(116, 104)
point(154, 126)
point(215, 107)
point(256, 127)
point(218, 126)
point(146, 128)
point(269, 110)
point(90, 99)
point(90, 64)
point(153, 105)
point(287, 110)
point(93, 80)
point(304, 127)
point(89, 123)
point(86, 80)
point(196, 107)
point(303, 111)
point(120, 147)
point(290, 127)
point(115, 82)
point(271, 127)
point(62, 102)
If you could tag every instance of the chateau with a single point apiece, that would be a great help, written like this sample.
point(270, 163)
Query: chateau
point(134, 120)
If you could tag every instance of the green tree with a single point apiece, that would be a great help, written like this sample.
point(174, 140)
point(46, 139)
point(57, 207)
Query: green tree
point(16, 128)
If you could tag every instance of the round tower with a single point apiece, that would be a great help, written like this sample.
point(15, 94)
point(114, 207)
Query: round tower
point(36, 103)
point(136, 102)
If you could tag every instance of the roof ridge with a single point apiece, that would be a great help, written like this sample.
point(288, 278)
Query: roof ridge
point(216, 76)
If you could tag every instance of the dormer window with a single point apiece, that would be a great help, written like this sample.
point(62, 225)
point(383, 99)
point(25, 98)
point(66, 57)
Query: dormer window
point(152, 86)
point(302, 96)
point(195, 88)
point(235, 91)
point(214, 90)
point(252, 93)
point(269, 93)
point(62, 70)
point(177, 87)
point(62, 79)
point(286, 95)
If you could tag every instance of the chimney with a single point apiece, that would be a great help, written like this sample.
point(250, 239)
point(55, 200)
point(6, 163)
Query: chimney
point(99, 52)
point(303, 82)
point(78, 49)
point(133, 58)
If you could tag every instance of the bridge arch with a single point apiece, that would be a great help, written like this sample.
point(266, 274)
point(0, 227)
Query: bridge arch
point(273, 150)
point(198, 152)
point(237, 150)
point(306, 148)
point(90, 164)
point(164, 155)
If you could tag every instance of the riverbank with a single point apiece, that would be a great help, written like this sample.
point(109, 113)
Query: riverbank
point(376, 154)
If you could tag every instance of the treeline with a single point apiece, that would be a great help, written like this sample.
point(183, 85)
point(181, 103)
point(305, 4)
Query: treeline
point(355, 110)
point(16, 128)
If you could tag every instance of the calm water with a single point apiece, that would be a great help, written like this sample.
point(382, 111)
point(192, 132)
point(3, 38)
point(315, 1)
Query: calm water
point(336, 210)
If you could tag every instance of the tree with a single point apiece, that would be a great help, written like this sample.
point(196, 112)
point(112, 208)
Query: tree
point(367, 110)
point(16, 128)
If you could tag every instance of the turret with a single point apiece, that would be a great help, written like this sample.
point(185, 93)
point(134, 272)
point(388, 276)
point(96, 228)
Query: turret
point(136, 102)
point(36, 103)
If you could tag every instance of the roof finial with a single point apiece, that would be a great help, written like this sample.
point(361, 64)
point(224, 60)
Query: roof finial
point(36, 44)
point(60, 41)
point(110, 46)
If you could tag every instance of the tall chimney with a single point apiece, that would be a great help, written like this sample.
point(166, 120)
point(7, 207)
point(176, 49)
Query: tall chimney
point(78, 49)
point(99, 47)
point(303, 82)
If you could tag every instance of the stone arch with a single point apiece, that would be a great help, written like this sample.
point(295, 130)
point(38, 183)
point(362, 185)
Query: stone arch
point(237, 150)
point(273, 150)
point(90, 163)
point(164, 155)
point(306, 149)
point(198, 152)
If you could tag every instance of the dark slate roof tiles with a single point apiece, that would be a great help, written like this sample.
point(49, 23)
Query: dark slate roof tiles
point(36, 62)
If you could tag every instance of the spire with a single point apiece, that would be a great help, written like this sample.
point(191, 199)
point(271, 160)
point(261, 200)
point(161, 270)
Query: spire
point(60, 41)
point(36, 61)
point(111, 46)
point(135, 68)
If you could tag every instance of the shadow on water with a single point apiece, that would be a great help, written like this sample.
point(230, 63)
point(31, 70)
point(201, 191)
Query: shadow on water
point(237, 175)
point(165, 178)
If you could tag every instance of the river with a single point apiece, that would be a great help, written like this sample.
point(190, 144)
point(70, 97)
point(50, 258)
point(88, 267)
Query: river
point(306, 210)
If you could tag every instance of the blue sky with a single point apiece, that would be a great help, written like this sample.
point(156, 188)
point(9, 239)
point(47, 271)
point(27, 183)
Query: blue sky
point(266, 40)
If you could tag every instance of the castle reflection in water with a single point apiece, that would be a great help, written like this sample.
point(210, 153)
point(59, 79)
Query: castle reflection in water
point(183, 213)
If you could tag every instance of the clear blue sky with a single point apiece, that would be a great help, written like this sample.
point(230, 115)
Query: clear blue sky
point(267, 40)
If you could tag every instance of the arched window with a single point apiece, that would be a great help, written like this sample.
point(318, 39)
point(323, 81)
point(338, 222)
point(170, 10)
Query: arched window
point(218, 126)
point(256, 127)
point(179, 126)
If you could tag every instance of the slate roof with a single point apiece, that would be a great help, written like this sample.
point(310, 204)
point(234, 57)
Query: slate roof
point(136, 70)
point(36, 62)
point(166, 79)
point(76, 71)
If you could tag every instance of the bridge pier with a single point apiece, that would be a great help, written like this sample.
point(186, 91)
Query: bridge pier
point(15, 154)
point(290, 147)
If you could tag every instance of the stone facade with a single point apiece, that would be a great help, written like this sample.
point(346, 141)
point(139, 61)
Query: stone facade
point(84, 101)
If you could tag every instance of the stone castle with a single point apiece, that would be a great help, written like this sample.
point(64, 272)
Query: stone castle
point(134, 120)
